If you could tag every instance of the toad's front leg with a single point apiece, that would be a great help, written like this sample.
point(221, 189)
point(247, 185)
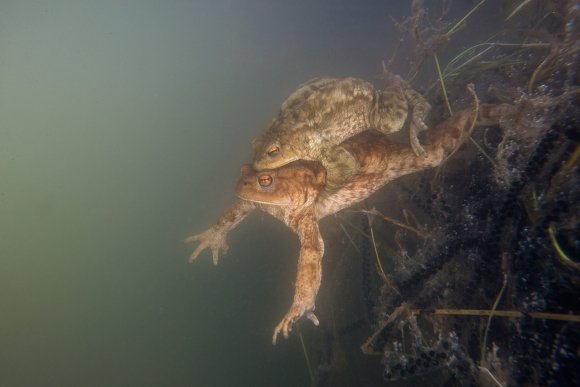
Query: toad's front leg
point(419, 110)
point(215, 236)
point(308, 277)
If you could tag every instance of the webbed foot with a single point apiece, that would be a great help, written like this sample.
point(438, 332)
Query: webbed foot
point(295, 312)
point(212, 238)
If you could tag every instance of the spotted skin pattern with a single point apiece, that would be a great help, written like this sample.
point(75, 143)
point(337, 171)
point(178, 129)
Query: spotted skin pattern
point(295, 195)
point(322, 113)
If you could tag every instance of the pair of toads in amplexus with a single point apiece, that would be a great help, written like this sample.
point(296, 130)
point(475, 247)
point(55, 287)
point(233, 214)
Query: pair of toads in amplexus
point(327, 150)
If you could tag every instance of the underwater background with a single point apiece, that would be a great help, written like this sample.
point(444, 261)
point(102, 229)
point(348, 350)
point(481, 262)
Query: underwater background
point(123, 125)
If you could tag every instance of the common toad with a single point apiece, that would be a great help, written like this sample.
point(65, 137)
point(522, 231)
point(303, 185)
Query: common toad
point(294, 194)
point(324, 112)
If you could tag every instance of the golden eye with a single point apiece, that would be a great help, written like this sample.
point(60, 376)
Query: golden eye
point(273, 151)
point(265, 180)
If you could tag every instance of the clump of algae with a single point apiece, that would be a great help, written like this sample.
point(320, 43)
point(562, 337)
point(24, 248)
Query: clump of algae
point(472, 277)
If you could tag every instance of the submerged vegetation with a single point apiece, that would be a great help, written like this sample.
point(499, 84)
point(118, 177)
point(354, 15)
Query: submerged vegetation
point(471, 273)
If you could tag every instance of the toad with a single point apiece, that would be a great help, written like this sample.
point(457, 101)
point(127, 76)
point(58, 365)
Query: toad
point(322, 113)
point(294, 194)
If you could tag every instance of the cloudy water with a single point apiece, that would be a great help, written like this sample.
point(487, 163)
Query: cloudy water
point(122, 129)
point(123, 126)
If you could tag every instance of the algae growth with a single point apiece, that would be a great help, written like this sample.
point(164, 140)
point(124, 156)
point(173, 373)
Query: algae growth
point(470, 273)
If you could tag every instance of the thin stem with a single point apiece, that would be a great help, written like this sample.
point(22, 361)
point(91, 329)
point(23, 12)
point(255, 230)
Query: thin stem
point(394, 221)
point(306, 357)
point(493, 308)
point(460, 22)
point(501, 313)
point(517, 9)
point(349, 237)
point(443, 89)
point(483, 152)
point(562, 256)
point(382, 272)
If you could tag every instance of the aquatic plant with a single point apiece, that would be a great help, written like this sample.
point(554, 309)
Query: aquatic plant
point(472, 277)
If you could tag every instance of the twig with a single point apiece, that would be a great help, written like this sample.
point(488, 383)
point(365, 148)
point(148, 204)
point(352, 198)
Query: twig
point(536, 72)
point(443, 89)
point(464, 18)
point(306, 357)
point(492, 376)
point(361, 232)
point(562, 256)
point(366, 346)
point(394, 221)
point(499, 313)
point(517, 9)
point(471, 89)
point(494, 307)
point(349, 238)
point(573, 159)
point(382, 273)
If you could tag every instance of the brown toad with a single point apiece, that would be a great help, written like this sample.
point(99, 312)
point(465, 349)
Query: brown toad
point(294, 194)
point(324, 112)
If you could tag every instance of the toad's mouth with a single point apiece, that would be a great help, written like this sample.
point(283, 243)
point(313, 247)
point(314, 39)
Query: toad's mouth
point(266, 163)
point(263, 201)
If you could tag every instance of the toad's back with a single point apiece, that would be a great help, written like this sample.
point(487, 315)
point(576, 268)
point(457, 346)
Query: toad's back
point(323, 113)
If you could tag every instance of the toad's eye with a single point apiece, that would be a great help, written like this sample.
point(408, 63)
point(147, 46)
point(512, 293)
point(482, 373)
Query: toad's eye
point(273, 151)
point(265, 180)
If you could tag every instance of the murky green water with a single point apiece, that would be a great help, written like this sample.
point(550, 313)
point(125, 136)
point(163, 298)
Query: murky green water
point(122, 128)
point(123, 125)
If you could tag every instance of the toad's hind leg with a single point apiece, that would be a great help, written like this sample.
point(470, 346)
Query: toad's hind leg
point(419, 110)
point(341, 166)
